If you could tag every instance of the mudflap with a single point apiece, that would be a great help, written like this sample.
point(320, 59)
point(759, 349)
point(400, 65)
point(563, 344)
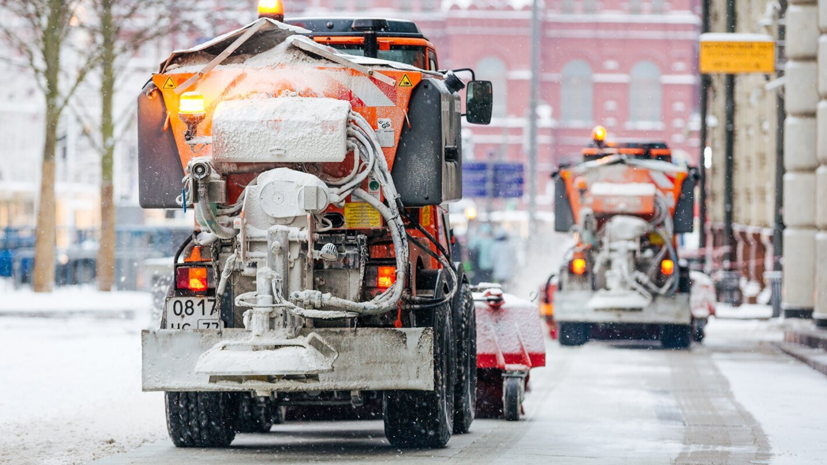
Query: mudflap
point(368, 359)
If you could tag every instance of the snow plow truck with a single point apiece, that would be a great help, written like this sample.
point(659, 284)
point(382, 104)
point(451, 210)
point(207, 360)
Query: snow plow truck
point(625, 204)
point(317, 155)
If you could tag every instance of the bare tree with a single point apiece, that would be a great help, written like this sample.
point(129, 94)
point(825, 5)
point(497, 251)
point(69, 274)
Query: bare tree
point(40, 31)
point(120, 28)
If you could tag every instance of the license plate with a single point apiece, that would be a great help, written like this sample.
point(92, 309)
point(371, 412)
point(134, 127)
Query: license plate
point(193, 313)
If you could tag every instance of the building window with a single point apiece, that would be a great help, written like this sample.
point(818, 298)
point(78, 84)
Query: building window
point(658, 6)
point(576, 92)
point(567, 6)
point(363, 4)
point(493, 69)
point(635, 6)
point(428, 5)
point(340, 5)
point(589, 6)
point(645, 93)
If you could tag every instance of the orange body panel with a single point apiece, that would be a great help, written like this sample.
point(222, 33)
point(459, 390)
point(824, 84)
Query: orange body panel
point(226, 84)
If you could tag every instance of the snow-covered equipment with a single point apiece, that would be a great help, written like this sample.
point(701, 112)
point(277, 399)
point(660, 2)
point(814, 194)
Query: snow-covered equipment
point(625, 204)
point(509, 344)
point(319, 268)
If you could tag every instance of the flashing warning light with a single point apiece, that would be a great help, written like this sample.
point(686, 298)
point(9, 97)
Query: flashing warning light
point(192, 279)
point(471, 213)
point(580, 183)
point(272, 9)
point(578, 266)
point(667, 267)
point(386, 278)
point(599, 134)
point(192, 103)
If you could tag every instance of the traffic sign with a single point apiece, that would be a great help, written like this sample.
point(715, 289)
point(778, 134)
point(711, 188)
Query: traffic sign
point(498, 180)
point(737, 53)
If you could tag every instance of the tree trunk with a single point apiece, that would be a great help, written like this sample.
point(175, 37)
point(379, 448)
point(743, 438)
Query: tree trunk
point(44, 245)
point(106, 250)
point(105, 265)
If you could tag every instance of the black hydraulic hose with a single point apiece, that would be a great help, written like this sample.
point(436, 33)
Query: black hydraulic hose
point(183, 247)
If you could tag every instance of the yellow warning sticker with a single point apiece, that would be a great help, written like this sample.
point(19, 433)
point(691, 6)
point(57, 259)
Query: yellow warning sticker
point(425, 216)
point(360, 215)
point(405, 82)
point(169, 84)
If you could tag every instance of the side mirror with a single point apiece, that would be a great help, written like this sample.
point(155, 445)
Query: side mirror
point(479, 103)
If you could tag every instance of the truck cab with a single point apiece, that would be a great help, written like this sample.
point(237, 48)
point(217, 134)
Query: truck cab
point(386, 39)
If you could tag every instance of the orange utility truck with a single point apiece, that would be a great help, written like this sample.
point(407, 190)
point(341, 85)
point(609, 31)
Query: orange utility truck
point(318, 156)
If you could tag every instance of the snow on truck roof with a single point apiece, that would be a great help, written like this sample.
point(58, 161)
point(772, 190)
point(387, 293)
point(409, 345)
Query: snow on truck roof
point(286, 43)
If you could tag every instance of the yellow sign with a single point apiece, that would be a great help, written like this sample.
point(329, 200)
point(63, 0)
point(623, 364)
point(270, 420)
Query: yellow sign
point(405, 82)
point(737, 54)
point(169, 84)
point(359, 215)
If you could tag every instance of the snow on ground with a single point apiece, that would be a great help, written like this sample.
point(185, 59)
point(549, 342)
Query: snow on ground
point(73, 301)
point(70, 388)
point(785, 396)
point(745, 311)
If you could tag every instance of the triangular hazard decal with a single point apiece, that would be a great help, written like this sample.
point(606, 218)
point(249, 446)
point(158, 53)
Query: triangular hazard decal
point(169, 84)
point(405, 82)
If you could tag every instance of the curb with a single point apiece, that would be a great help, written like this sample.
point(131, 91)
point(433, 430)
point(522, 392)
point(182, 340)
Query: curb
point(815, 358)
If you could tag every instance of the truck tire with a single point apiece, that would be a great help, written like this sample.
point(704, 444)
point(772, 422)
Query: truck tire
point(676, 337)
point(512, 398)
point(201, 419)
point(573, 334)
point(425, 419)
point(465, 388)
point(255, 416)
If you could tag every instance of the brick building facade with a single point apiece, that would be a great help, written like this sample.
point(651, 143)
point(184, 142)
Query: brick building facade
point(629, 65)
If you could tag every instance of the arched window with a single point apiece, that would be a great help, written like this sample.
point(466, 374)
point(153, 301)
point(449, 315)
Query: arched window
point(576, 92)
point(645, 93)
point(493, 69)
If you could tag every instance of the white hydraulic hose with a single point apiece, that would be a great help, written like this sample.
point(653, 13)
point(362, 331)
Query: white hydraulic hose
point(377, 164)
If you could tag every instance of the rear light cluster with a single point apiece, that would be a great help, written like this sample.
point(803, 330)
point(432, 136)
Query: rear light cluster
point(382, 251)
point(195, 279)
point(381, 277)
point(578, 266)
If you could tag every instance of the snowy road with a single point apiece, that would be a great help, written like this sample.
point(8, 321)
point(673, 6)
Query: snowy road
point(734, 400)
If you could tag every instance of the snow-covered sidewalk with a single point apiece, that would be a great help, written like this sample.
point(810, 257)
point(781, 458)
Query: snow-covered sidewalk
point(744, 312)
point(70, 390)
point(73, 302)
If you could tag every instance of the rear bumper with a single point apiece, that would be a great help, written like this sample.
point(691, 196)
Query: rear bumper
point(369, 359)
point(573, 306)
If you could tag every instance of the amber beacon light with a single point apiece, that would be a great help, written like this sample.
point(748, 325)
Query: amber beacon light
point(272, 9)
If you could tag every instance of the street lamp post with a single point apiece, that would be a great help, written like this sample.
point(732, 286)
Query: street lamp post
point(532, 117)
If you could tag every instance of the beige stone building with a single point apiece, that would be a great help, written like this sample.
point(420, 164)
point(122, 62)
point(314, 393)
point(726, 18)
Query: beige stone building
point(756, 122)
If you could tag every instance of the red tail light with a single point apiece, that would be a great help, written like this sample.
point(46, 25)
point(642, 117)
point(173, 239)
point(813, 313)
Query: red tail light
point(192, 279)
point(382, 251)
point(578, 266)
